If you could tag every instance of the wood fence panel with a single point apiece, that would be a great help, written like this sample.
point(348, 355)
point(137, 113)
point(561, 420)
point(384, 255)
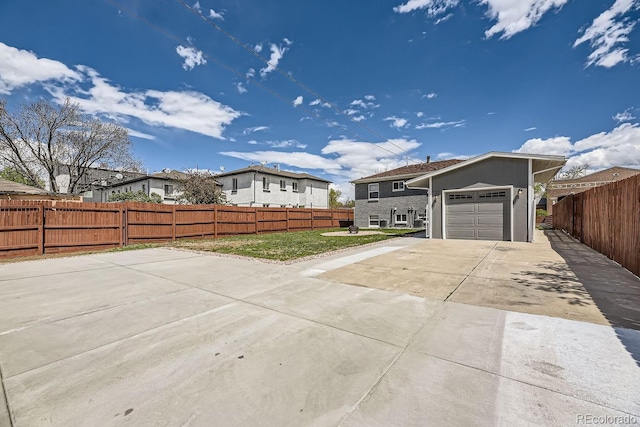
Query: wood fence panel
point(33, 227)
point(606, 218)
point(20, 223)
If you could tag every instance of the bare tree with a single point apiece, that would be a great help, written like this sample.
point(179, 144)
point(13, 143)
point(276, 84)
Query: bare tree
point(201, 188)
point(42, 139)
point(573, 172)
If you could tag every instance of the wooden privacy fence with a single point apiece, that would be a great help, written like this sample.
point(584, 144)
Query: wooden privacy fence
point(45, 227)
point(606, 218)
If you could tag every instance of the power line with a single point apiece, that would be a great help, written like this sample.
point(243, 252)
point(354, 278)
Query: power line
point(251, 80)
point(288, 75)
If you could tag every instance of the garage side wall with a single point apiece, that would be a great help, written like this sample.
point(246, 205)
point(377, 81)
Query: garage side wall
point(492, 172)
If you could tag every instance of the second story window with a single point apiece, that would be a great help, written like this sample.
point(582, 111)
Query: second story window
point(265, 183)
point(398, 186)
point(374, 191)
point(234, 185)
point(168, 189)
point(283, 185)
point(294, 186)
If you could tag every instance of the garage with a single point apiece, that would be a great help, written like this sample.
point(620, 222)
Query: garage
point(478, 215)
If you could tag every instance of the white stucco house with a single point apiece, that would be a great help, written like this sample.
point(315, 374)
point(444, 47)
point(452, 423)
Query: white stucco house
point(162, 183)
point(271, 187)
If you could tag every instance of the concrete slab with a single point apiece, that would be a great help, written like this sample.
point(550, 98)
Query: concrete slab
point(238, 363)
point(577, 359)
point(233, 277)
point(5, 419)
point(437, 263)
point(421, 390)
point(547, 298)
point(75, 293)
point(46, 343)
point(414, 282)
point(144, 255)
point(390, 317)
point(48, 267)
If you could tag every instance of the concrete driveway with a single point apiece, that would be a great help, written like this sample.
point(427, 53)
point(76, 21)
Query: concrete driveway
point(166, 337)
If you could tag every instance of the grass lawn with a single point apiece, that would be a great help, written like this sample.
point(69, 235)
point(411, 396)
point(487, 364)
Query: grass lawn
point(286, 246)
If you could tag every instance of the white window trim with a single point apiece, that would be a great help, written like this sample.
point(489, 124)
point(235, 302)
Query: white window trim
point(393, 185)
point(444, 204)
point(294, 187)
point(378, 220)
point(401, 221)
point(285, 185)
point(369, 191)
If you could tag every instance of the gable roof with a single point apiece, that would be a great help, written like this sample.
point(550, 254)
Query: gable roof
point(544, 165)
point(601, 176)
point(408, 171)
point(272, 171)
point(10, 187)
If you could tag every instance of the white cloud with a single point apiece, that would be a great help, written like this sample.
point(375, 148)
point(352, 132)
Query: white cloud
point(315, 102)
point(364, 104)
point(196, 6)
point(370, 97)
point(277, 52)
point(397, 122)
point(530, 129)
point(328, 105)
point(515, 16)
point(620, 147)
point(429, 95)
point(20, 68)
point(191, 56)
point(298, 101)
point(216, 15)
point(432, 7)
point(625, 116)
point(247, 131)
point(240, 87)
point(444, 18)
point(351, 112)
point(287, 41)
point(420, 114)
point(287, 144)
point(251, 73)
point(607, 32)
point(188, 110)
point(440, 125)
point(358, 118)
point(448, 155)
point(137, 134)
point(258, 47)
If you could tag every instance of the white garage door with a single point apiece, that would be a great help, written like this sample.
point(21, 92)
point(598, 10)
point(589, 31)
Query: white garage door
point(477, 215)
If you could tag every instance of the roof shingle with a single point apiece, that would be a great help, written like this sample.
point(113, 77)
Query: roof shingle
point(417, 169)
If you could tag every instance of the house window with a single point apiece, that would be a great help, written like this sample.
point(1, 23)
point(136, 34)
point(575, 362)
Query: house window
point(401, 218)
point(374, 192)
point(144, 188)
point(398, 186)
point(374, 220)
point(283, 185)
point(265, 184)
point(168, 189)
point(294, 186)
point(234, 185)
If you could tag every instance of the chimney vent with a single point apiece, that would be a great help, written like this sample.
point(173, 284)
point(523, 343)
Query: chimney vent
point(428, 159)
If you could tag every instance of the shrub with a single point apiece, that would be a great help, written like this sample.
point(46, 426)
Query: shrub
point(541, 212)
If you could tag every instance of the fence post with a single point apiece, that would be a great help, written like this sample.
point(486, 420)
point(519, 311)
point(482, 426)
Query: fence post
point(173, 223)
point(287, 213)
point(41, 229)
point(120, 228)
point(255, 210)
point(125, 225)
point(215, 221)
point(312, 219)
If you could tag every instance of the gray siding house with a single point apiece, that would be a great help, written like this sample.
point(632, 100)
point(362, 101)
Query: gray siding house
point(383, 199)
point(489, 197)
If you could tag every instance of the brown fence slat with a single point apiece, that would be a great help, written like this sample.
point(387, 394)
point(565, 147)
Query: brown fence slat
point(607, 219)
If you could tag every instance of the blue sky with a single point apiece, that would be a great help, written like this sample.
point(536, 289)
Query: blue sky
point(397, 80)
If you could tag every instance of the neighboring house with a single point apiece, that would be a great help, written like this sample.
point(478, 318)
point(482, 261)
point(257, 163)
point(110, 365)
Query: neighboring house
point(383, 200)
point(271, 187)
point(10, 190)
point(92, 181)
point(162, 183)
point(559, 189)
point(488, 197)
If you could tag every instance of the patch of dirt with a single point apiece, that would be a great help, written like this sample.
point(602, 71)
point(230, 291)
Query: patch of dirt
point(346, 233)
point(209, 244)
